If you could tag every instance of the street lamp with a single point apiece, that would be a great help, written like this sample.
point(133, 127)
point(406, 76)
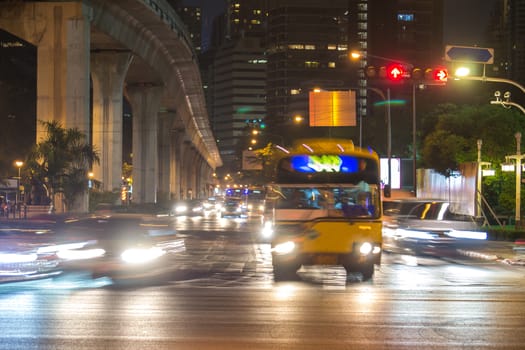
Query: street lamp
point(18, 164)
point(257, 132)
point(505, 167)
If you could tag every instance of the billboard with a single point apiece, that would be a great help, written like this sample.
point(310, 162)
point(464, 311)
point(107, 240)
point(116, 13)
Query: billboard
point(250, 161)
point(332, 108)
point(395, 172)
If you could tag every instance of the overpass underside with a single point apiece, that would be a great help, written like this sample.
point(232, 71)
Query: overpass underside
point(132, 48)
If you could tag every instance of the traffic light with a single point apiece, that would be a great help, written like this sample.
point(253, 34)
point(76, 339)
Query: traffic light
point(430, 76)
point(440, 75)
point(396, 72)
point(393, 73)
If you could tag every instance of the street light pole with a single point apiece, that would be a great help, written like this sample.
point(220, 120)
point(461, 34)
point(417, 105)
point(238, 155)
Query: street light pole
point(518, 157)
point(18, 164)
point(386, 99)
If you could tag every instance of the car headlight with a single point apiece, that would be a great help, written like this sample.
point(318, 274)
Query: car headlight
point(141, 255)
point(250, 207)
point(181, 208)
point(80, 254)
point(14, 258)
point(284, 248)
point(267, 230)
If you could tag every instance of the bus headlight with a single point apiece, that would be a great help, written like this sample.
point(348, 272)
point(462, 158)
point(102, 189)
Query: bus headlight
point(365, 248)
point(284, 248)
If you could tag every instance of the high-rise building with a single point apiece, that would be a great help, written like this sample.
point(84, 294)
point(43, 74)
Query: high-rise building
point(409, 31)
point(506, 37)
point(307, 48)
point(192, 18)
point(266, 56)
point(237, 78)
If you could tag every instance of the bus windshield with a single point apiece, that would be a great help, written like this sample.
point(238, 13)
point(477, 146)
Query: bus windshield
point(337, 200)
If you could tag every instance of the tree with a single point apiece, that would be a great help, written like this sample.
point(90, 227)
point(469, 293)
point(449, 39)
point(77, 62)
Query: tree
point(450, 135)
point(61, 161)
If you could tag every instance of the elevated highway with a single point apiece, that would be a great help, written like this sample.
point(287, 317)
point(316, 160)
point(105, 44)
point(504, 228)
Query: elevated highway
point(94, 53)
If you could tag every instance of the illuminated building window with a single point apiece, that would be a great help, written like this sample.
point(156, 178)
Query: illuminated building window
point(236, 20)
point(331, 64)
point(255, 21)
point(309, 47)
point(332, 47)
point(295, 91)
point(296, 46)
point(405, 17)
point(311, 64)
point(342, 47)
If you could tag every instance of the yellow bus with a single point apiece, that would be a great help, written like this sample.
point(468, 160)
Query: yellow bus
point(324, 208)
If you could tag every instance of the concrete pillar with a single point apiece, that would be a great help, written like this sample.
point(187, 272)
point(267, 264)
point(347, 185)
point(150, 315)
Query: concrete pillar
point(61, 32)
point(145, 103)
point(108, 70)
point(194, 175)
point(205, 178)
point(165, 155)
point(176, 164)
point(188, 182)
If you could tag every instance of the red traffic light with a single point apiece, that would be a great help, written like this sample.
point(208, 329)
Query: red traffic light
point(395, 72)
point(440, 75)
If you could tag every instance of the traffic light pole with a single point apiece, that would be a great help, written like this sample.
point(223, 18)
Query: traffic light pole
point(388, 127)
point(493, 80)
point(389, 138)
point(414, 142)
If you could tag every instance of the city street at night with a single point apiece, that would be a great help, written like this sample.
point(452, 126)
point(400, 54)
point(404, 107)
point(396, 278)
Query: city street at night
point(222, 296)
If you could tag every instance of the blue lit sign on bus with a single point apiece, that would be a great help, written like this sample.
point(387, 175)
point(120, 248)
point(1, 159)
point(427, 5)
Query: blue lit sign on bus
point(330, 163)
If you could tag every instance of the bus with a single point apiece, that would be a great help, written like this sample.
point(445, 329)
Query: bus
point(252, 199)
point(324, 208)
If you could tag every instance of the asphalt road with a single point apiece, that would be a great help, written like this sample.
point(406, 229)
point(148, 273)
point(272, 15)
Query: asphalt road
point(222, 296)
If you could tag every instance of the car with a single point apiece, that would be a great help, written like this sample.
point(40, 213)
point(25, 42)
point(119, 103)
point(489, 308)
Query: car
point(21, 263)
point(189, 207)
point(121, 247)
point(234, 207)
point(212, 205)
point(425, 226)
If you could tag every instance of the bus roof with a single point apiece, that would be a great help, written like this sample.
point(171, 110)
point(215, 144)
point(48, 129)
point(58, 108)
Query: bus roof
point(327, 146)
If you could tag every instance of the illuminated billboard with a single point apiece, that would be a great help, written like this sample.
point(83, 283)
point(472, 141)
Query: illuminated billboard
point(395, 172)
point(332, 108)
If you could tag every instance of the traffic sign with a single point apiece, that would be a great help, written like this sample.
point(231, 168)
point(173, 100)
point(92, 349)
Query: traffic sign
point(469, 54)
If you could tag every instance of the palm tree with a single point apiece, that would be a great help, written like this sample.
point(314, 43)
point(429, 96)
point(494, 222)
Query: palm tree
point(61, 162)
